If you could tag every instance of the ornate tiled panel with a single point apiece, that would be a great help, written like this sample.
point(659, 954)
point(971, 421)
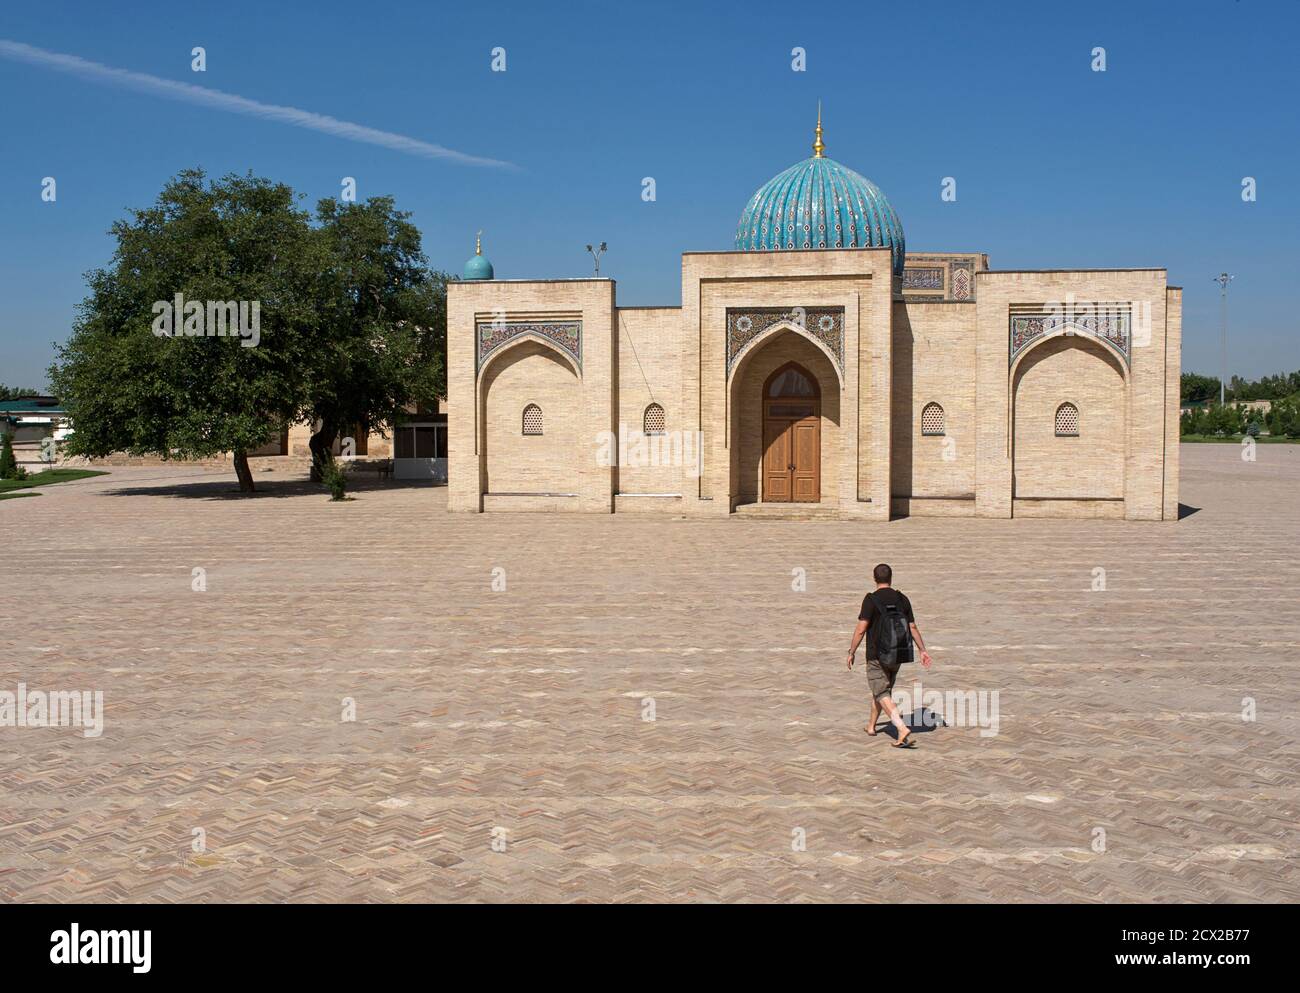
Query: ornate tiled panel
point(494, 335)
point(1114, 327)
point(962, 279)
point(923, 278)
point(826, 324)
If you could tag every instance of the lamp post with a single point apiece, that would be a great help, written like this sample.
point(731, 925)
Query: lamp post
point(596, 254)
point(1223, 279)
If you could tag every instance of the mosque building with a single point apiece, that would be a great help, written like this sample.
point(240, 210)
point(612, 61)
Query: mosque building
point(819, 369)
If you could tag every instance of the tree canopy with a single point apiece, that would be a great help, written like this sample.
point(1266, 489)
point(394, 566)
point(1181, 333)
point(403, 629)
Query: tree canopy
point(14, 392)
point(1198, 389)
point(382, 319)
point(226, 313)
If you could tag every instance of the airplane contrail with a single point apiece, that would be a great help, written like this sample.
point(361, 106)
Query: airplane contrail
point(219, 100)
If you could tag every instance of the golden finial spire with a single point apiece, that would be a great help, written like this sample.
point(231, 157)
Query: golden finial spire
point(819, 146)
point(478, 243)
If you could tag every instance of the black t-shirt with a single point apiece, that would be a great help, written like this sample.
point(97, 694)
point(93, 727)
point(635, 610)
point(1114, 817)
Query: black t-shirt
point(870, 612)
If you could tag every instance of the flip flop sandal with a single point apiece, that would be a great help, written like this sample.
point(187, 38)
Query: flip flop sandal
point(907, 741)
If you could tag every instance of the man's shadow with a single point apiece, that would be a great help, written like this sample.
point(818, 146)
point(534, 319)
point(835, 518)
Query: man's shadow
point(920, 721)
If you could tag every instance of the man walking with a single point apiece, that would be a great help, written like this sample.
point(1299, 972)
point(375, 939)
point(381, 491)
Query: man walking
point(887, 621)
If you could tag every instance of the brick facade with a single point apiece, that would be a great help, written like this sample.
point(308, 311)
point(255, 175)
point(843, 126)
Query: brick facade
point(880, 351)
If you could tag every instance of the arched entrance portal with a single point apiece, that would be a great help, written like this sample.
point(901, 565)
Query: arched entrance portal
point(792, 436)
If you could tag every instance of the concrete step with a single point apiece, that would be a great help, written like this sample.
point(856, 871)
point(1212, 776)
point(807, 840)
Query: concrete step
point(788, 511)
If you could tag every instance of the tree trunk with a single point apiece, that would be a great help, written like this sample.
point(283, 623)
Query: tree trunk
point(243, 472)
point(320, 444)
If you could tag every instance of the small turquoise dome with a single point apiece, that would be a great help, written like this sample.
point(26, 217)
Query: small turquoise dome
point(818, 203)
point(478, 267)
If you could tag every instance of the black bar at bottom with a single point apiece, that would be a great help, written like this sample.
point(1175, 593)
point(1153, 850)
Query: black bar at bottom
point(880, 943)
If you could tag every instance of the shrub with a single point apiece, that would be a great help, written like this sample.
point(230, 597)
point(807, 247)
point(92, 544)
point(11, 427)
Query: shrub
point(8, 464)
point(335, 478)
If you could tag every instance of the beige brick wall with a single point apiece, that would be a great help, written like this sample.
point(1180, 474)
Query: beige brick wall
point(584, 412)
point(858, 280)
point(1090, 467)
point(1145, 394)
point(378, 446)
point(1173, 363)
point(650, 371)
point(934, 356)
point(1145, 467)
point(898, 356)
point(531, 373)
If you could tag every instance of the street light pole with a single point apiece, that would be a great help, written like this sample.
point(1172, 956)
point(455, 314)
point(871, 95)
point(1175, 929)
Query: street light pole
point(596, 254)
point(1223, 279)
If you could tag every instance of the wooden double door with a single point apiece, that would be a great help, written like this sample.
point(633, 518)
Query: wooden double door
point(792, 437)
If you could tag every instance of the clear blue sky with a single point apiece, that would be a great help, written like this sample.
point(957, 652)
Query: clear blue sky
point(1056, 165)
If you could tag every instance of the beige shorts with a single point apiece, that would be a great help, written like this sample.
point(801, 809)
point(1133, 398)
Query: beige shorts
point(880, 678)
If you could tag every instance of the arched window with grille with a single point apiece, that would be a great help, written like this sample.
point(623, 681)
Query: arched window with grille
point(1067, 421)
point(532, 419)
point(652, 422)
point(932, 423)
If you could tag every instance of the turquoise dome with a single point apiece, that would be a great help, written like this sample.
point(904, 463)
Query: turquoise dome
point(478, 267)
point(818, 203)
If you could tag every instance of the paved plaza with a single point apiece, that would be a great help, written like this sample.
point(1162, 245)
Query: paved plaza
point(651, 709)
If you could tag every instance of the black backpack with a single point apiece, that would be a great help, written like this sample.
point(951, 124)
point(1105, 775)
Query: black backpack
point(894, 642)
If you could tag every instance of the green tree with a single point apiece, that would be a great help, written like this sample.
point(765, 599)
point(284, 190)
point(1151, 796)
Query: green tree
point(1227, 419)
point(1196, 388)
point(383, 324)
point(14, 392)
point(193, 396)
point(1276, 387)
point(1284, 420)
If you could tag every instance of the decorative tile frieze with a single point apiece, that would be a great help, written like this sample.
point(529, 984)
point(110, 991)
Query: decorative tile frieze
point(923, 278)
point(1113, 327)
point(826, 324)
point(494, 335)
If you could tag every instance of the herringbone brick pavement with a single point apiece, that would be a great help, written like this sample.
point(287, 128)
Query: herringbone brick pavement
point(1121, 768)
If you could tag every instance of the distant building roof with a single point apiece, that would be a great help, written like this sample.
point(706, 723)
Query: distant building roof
point(32, 405)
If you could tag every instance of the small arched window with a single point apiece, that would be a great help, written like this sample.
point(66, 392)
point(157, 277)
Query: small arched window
point(653, 420)
point(1067, 421)
point(932, 419)
point(532, 419)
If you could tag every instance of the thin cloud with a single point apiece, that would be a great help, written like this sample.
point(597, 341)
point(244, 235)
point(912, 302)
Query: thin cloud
point(204, 97)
